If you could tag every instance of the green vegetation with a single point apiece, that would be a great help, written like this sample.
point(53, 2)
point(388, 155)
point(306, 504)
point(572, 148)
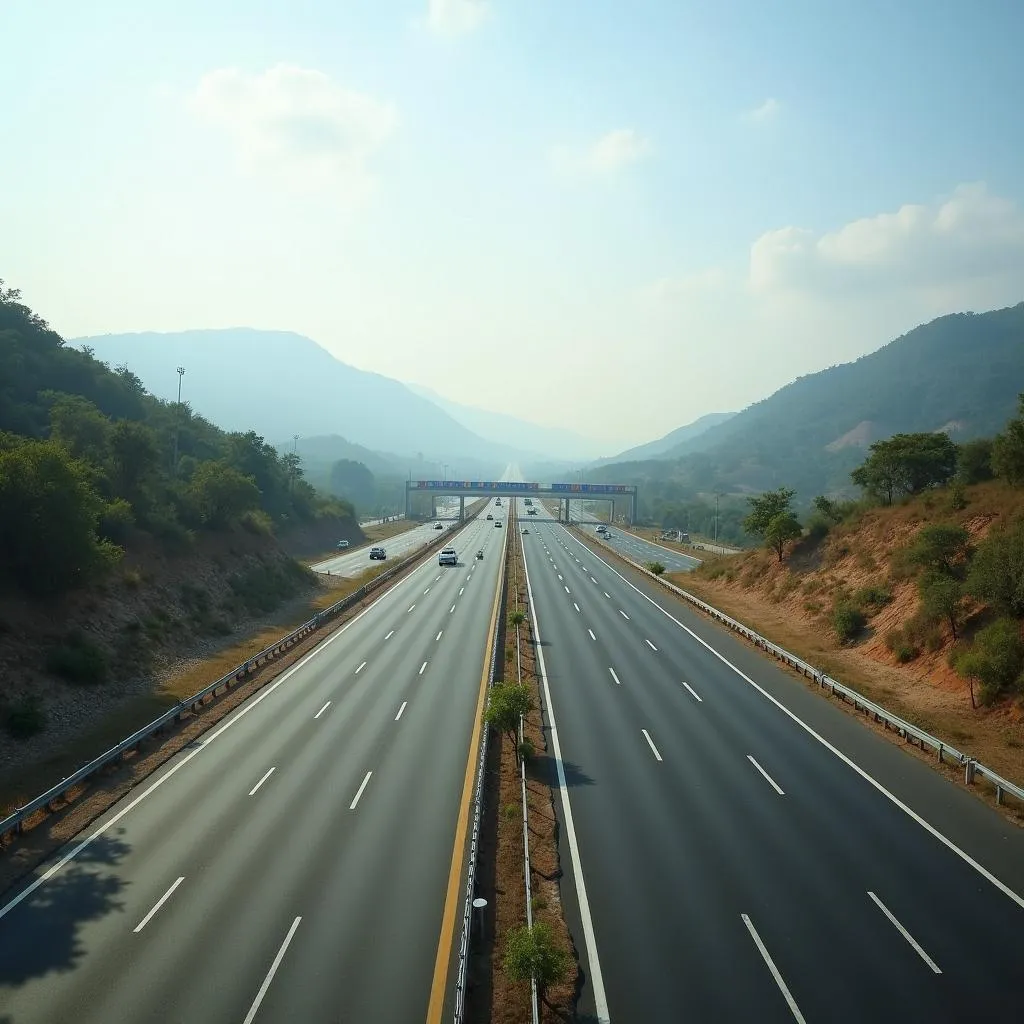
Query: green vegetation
point(88, 458)
point(996, 574)
point(771, 518)
point(906, 464)
point(656, 567)
point(533, 954)
point(508, 703)
point(1008, 449)
point(848, 621)
point(24, 717)
point(78, 660)
point(995, 660)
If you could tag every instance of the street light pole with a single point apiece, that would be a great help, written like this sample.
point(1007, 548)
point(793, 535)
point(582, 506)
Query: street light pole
point(177, 422)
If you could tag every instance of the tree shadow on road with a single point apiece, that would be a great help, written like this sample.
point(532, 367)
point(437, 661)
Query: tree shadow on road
point(542, 768)
point(41, 935)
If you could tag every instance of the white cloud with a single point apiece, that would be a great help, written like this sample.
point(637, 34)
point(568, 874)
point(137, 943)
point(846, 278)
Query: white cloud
point(456, 17)
point(767, 111)
point(298, 123)
point(610, 153)
point(970, 236)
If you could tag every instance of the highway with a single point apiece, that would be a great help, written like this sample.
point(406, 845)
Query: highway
point(356, 561)
point(630, 545)
point(739, 849)
point(293, 863)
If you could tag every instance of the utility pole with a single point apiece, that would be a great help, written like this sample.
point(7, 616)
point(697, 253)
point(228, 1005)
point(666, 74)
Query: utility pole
point(177, 422)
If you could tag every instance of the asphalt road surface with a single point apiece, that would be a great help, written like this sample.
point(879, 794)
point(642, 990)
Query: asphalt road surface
point(356, 561)
point(627, 544)
point(739, 849)
point(292, 864)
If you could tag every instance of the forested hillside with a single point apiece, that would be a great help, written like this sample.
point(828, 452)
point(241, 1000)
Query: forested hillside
point(959, 374)
point(132, 533)
point(88, 459)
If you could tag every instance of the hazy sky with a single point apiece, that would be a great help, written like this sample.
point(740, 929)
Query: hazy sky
point(608, 216)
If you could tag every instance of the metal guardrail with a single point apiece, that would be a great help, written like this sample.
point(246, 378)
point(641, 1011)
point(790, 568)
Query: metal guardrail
point(943, 750)
point(15, 821)
point(495, 675)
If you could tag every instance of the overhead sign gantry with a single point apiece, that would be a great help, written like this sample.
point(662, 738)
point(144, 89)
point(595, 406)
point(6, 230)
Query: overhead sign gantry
point(564, 492)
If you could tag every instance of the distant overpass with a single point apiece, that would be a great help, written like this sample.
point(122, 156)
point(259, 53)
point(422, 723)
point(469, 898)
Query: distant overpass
point(463, 489)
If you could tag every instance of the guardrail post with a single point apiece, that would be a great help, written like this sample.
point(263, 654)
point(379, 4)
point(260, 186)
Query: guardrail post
point(999, 793)
point(969, 770)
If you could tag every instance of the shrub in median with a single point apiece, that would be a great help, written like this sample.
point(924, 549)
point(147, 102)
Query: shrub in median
point(533, 953)
point(656, 567)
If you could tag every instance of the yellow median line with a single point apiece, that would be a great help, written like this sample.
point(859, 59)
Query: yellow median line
point(451, 901)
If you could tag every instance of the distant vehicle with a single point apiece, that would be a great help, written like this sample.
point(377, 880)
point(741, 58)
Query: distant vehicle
point(342, 544)
point(378, 553)
point(448, 557)
point(489, 516)
point(602, 528)
point(525, 530)
point(438, 526)
point(480, 554)
point(529, 501)
point(531, 511)
point(497, 522)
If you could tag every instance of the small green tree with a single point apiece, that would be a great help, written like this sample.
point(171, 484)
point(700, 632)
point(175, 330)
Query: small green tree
point(533, 954)
point(655, 567)
point(996, 575)
point(942, 597)
point(221, 494)
point(829, 509)
point(509, 702)
point(1008, 449)
point(994, 659)
point(906, 464)
point(134, 458)
point(781, 530)
point(974, 461)
point(80, 426)
point(943, 548)
point(765, 507)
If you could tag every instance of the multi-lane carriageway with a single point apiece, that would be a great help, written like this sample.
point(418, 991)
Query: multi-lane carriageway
point(736, 848)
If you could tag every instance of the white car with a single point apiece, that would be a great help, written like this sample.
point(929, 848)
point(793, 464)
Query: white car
point(448, 556)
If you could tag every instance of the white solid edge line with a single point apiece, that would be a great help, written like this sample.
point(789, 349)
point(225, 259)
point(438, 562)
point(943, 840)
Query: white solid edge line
point(591, 632)
point(771, 782)
point(649, 644)
point(423, 668)
point(596, 977)
point(237, 716)
point(903, 931)
point(614, 676)
point(321, 711)
point(269, 772)
point(694, 693)
point(401, 710)
point(654, 749)
point(775, 971)
point(359, 792)
point(254, 1009)
point(159, 903)
point(870, 779)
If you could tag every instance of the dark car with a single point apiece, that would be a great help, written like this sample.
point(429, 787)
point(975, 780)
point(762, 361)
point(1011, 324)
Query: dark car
point(378, 553)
